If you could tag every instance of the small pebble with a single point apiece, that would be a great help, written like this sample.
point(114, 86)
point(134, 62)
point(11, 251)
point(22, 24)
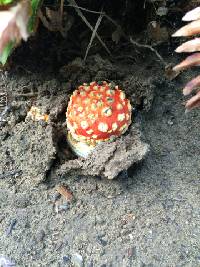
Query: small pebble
point(5, 262)
point(55, 197)
point(101, 240)
point(170, 122)
point(64, 206)
point(91, 264)
point(40, 235)
point(61, 207)
point(162, 11)
point(66, 259)
point(77, 260)
point(132, 253)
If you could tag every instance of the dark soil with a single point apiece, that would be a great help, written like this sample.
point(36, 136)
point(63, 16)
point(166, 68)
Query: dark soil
point(147, 216)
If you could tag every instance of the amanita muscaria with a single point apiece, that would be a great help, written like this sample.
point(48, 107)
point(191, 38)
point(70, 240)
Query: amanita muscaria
point(97, 112)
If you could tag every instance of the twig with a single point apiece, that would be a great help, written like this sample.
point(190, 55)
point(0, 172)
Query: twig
point(64, 191)
point(73, 2)
point(103, 14)
point(136, 43)
point(149, 47)
point(113, 22)
point(93, 35)
point(87, 10)
point(44, 20)
point(61, 8)
point(26, 95)
point(95, 12)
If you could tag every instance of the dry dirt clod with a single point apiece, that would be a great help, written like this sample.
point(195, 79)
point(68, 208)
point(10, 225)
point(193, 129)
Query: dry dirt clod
point(108, 160)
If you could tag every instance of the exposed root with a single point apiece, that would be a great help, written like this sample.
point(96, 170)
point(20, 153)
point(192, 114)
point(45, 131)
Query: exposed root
point(151, 48)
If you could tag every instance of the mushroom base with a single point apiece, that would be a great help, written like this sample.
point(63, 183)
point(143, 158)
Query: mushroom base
point(80, 148)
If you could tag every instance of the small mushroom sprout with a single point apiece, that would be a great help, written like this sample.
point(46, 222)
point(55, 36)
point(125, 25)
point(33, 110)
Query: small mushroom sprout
point(97, 112)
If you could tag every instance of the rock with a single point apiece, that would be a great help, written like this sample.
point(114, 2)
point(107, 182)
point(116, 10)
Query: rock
point(77, 260)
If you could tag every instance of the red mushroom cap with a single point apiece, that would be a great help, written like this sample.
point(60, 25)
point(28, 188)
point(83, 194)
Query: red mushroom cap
point(98, 112)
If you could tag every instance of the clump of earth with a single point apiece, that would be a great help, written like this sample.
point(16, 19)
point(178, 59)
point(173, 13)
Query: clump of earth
point(39, 150)
point(135, 201)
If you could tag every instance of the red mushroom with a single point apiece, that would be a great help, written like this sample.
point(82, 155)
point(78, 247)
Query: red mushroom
point(96, 113)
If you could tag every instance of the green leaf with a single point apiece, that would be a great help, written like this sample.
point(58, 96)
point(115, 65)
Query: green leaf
point(6, 2)
point(6, 52)
point(35, 4)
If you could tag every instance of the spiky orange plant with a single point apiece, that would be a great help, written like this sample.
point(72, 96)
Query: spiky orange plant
point(193, 28)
